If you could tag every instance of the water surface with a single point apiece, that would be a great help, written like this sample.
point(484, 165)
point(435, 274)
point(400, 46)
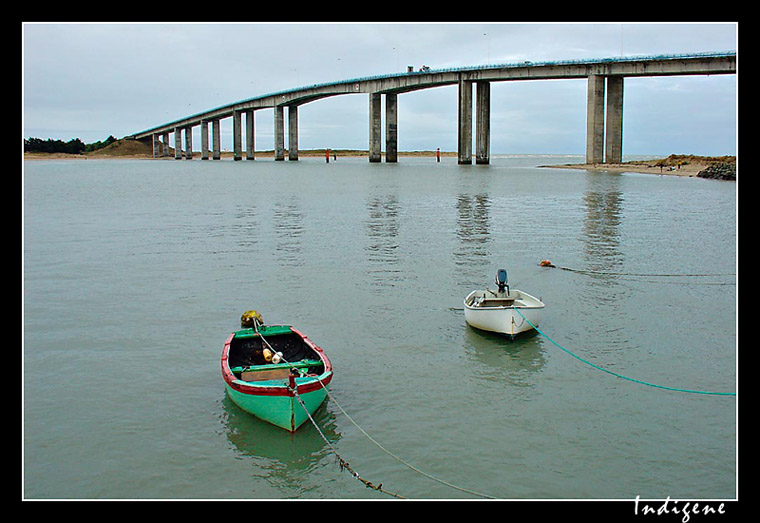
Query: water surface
point(135, 272)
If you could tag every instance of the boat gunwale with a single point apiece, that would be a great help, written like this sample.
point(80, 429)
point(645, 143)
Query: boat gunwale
point(314, 382)
point(504, 307)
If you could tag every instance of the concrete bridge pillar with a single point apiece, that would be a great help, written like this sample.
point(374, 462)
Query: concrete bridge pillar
point(604, 119)
point(483, 119)
point(595, 119)
point(188, 143)
point(204, 139)
point(216, 140)
point(236, 137)
point(293, 133)
point(165, 151)
point(375, 127)
point(391, 128)
point(279, 133)
point(464, 119)
point(155, 146)
point(614, 124)
point(249, 141)
point(177, 143)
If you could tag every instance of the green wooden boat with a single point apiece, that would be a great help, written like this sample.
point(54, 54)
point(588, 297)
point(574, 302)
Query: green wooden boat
point(275, 373)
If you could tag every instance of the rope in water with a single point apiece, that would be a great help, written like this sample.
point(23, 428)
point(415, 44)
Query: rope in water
point(620, 375)
point(409, 465)
point(547, 263)
point(344, 464)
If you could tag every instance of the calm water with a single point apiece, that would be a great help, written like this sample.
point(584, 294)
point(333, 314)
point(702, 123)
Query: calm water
point(135, 272)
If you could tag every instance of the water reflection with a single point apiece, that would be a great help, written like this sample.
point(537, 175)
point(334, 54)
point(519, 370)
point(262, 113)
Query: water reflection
point(288, 227)
point(383, 225)
point(516, 361)
point(602, 200)
point(280, 457)
point(473, 231)
point(248, 233)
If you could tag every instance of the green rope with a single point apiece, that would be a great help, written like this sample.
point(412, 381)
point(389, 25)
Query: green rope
point(620, 375)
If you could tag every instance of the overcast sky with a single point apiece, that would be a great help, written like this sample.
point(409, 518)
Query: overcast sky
point(92, 80)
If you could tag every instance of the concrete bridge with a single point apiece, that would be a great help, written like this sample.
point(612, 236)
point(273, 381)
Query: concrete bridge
point(604, 128)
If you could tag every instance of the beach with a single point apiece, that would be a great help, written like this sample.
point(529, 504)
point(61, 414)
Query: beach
point(691, 169)
point(722, 167)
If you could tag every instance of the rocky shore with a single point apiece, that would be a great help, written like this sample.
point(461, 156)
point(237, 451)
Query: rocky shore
point(719, 171)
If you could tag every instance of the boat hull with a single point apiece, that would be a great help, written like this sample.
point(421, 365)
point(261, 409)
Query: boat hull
point(284, 411)
point(507, 317)
point(275, 397)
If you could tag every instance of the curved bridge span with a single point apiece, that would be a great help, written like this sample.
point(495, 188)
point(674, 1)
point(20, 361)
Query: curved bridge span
point(604, 128)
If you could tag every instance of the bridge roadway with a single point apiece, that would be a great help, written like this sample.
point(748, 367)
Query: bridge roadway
point(604, 129)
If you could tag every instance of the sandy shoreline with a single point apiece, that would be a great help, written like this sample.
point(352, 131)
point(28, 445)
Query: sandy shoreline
point(686, 170)
point(687, 166)
point(691, 169)
point(340, 153)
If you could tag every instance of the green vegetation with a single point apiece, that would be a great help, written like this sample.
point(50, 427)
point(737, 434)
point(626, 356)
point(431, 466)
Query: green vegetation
point(75, 146)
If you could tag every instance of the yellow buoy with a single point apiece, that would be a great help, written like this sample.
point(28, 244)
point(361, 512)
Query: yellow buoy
point(251, 319)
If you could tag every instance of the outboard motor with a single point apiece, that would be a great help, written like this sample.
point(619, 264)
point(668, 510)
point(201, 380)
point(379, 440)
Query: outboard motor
point(501, 281)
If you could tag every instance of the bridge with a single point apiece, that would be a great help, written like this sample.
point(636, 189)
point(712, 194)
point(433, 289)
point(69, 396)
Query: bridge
point(604, 109)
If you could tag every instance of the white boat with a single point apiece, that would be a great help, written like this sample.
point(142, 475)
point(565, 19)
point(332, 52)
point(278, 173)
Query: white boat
point(503, 311)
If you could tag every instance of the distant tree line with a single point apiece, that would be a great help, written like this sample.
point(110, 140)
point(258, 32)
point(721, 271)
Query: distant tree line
point(75, 146)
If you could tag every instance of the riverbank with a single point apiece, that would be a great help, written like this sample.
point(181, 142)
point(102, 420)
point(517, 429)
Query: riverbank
point(319, 153)
point(674, 165)
point(135, 149)
point(715, 167)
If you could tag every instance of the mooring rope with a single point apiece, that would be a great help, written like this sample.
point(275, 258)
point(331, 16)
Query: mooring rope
point(620, 375)
point(344, 464)
point(547, 263)
point(407, 464)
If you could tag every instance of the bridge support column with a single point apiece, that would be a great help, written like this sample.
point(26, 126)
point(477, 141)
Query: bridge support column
point(279, 133)
point(595, 119)
point(177, 143)
point(391, 128)
point(216, 140)
point(249, 141)
point(188, 143)
point(165, 150)
point(483, 130)
point(155, 146)
point(375, 127)
point(236, 137)
point(614, 125)
point(293, 133)
point(204, 139)
point(464, 119)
